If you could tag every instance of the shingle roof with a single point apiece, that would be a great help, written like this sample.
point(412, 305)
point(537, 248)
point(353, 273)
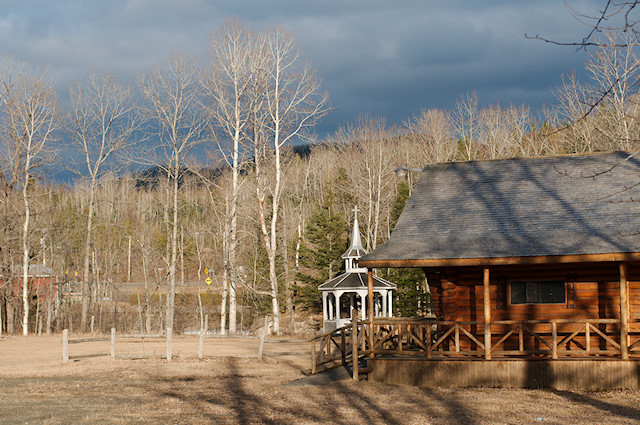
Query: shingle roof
point(355, 280)
point(571, 205)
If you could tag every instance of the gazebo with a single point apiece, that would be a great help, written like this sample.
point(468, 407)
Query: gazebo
point(336, 309)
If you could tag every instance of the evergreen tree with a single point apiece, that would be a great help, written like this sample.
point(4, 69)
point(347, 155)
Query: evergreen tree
point(411, 297)
point(325, 240)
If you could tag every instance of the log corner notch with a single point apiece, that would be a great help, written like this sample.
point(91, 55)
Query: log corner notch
point(487, 313)
point(624, 311)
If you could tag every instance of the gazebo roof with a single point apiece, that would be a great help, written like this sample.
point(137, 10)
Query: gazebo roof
point(355, 280)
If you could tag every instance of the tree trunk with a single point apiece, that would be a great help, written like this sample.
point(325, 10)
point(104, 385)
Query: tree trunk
point(171, 293)
point(87, 252)
point(25, 256)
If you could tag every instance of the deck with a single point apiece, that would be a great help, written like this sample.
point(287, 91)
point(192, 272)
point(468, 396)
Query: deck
point(567, 353)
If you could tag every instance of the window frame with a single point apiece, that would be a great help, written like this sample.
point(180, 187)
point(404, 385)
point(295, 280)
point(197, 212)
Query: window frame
point(510, 282)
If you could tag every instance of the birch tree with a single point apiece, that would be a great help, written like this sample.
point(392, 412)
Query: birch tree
point(102, 123)
point(233, 48)
point(31, 120)
point(294, 102)
point(174, 109)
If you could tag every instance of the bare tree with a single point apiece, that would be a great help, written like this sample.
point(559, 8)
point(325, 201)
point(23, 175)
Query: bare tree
point(431, 130)
point(31, 114)
point(294, 103)
point(174, 109)
point(233, 48)
point(614, 73)
point(102, 123)
point(466, 123)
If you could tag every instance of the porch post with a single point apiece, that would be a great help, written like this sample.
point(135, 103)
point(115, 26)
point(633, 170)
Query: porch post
point(370, 312)
point(624, 312)
point(338, 306)
point(487, 314)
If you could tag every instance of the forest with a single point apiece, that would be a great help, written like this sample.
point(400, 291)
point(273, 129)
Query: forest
point(257, 219)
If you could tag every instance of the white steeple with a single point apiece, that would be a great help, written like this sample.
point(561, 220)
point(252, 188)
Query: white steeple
point(355, 251)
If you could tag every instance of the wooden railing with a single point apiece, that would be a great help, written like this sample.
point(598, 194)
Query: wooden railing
point(438, 339)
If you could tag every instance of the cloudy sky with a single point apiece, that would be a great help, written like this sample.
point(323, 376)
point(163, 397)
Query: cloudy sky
point(387, 58)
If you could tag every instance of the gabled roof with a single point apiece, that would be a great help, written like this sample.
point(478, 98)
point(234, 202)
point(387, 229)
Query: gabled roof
point(355, 280)
point(554, 209)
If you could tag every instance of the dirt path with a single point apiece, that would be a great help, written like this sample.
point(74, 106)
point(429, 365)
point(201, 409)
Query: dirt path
point(36, 387)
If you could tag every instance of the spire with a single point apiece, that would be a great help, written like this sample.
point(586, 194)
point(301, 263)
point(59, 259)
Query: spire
point(356, 242)
point(356, 249)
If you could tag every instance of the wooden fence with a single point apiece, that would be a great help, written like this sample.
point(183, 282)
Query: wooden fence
point(438, 339)
point(263, 349)
point(112, 352)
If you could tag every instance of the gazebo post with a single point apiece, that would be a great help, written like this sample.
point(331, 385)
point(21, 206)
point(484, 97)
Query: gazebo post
point(487, 314)
point(331, 317)
point(324, 306)
point(385, 312)
point(624, 312)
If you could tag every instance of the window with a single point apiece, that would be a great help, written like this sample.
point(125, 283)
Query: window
point(538, 292)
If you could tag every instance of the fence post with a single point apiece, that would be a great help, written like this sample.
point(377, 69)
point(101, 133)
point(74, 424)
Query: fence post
point(169, 335)
point(263, 337)
point(113, 343)
point(313, 357)
point(354, 343)
point(92, 322)
point(65, 345)
point(343, 348)
point(200, 344)
point(206, 323)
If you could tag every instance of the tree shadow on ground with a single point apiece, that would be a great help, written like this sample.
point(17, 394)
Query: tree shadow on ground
point(623, 412)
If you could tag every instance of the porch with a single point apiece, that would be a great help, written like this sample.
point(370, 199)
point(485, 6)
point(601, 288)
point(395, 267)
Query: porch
point(567, 353)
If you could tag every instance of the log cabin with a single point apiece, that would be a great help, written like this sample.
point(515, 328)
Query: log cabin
point(534, 271)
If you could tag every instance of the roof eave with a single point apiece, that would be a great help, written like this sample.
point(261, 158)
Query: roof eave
point(503, 261)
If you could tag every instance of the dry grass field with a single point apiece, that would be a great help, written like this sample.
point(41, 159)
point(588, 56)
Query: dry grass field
point(234, 388)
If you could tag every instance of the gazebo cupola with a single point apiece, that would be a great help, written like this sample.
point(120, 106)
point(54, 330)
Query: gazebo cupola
point(336, 308)
point(355, 250)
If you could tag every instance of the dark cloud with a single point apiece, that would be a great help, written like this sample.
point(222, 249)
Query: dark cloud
point(379, 57)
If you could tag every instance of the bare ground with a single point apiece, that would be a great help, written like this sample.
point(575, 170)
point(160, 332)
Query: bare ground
point(36, 387)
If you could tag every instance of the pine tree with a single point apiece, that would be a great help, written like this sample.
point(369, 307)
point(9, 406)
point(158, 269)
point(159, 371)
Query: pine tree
point(411, 297)
point(325, 242)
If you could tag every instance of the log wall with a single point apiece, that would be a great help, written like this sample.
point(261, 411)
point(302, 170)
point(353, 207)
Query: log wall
point(457, 293)
point(592, 292)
